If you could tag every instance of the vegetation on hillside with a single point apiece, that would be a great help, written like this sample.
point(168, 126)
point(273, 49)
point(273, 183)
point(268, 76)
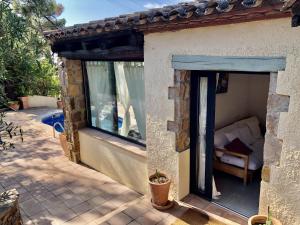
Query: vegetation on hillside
point(26, 64)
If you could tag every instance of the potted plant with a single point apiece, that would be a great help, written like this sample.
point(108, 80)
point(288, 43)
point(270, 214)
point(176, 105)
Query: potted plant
point(159, 187)
point(14, 105)
point(60, 103)
point(64, 143)
point(263, 219)
point(25, 102)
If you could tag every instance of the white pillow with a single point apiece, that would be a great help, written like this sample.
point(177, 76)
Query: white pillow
point(233, 135)
point(246, 136)
point(253, 125)
point(255, 130)
point(243, 134)
point(220, 140)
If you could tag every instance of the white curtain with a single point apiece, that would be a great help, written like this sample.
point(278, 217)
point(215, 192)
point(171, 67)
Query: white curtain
point(124, 98)
point(134, 75)
point(202, 133)
point(101, 93)
point(202, 139)
point(127, 80)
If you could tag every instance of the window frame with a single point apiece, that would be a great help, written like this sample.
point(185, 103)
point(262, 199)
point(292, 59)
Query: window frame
point(87, 100)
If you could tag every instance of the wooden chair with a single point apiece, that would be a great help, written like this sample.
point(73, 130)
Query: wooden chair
point(243, 173)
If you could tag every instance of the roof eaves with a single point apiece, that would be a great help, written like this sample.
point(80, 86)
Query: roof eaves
point(162, 17)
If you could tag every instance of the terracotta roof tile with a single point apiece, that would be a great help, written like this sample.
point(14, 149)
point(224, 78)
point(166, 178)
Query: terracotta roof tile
point(167, 14)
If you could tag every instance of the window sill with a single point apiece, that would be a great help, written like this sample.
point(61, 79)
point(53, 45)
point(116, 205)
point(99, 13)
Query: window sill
point(123, 144)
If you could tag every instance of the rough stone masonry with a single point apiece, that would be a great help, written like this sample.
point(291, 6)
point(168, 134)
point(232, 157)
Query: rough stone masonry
point(9, 208)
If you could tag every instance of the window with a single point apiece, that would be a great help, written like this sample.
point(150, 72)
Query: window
point(117, 98)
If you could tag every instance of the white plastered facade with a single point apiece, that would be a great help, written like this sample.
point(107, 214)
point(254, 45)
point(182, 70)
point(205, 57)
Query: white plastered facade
point(261, 38)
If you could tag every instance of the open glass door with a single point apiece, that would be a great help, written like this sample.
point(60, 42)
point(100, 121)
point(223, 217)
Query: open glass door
point(202, 131)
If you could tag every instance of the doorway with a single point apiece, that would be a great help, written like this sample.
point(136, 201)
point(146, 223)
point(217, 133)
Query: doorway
point(230, 106)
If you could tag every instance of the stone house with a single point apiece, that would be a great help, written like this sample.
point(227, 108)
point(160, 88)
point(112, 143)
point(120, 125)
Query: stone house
point(150, 90)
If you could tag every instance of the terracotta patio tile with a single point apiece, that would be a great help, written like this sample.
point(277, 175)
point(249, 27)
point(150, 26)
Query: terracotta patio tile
point(53, 189)
point(60, 190)
point(53, 204)
point(31, 207)
point(134, 223)
point(104, 223)
point(15, 185)
point(149, 218)
point(91, 193)
point(97, 201)
point(2, 189)
point(119, 219)
point(73, 202)
point(136, 211)
point(168, 220)
point(76, 221)
point(82, 208)
point(91, 215)
point(161, 214)
point(21, 190)
point(131, 195)
point(62, 213)
point(119, 200)
point(106, 207)
point(42, 217)
point(42, 197)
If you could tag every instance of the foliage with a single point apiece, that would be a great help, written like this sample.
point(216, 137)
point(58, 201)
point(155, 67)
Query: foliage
point(269, 218)
point(26, 64)
point(158, 178)
point(8, 132)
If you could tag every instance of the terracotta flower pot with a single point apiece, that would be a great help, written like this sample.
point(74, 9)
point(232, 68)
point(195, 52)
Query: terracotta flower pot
point(64, 143)
point(25, 102)
point(159, 191)
point(14, 106)
point(261, 219)
point(60, 104)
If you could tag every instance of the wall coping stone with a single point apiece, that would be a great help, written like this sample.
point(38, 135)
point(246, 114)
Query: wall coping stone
point(118, 142)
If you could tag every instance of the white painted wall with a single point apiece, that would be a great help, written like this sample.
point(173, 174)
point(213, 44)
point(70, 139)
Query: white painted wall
point(247, 96)
point(258, 96)
point(122, 161)
point(259, 38)
point(42, 101)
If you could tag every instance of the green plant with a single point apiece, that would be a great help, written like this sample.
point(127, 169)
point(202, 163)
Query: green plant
point(26, 63)
point(8, 132)
point(269, 218)
point(159, 178)
point(12, 102)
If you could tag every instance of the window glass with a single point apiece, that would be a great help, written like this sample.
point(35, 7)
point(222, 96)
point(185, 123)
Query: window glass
point(117, 98)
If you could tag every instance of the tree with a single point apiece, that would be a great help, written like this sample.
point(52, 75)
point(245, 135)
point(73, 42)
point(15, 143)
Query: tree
point(25, 56)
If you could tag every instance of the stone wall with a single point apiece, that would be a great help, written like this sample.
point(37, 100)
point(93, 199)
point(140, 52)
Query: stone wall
point(9, 208)
point(74, 104)
point(180, 93)
point(273, 145)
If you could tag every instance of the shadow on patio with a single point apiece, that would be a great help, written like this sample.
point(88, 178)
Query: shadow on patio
point(54, 190)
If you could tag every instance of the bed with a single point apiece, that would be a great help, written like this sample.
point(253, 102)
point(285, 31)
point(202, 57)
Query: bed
point(234, 163)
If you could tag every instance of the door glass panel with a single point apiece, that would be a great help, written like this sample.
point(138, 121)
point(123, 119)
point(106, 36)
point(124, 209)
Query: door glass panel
point(201, 145)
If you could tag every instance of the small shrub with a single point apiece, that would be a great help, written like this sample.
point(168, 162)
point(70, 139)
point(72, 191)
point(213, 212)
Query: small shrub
point(8, 133)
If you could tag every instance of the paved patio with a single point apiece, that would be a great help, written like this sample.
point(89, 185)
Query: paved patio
point(55, 191)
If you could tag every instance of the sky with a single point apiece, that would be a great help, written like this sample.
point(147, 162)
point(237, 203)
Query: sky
point(83, 11)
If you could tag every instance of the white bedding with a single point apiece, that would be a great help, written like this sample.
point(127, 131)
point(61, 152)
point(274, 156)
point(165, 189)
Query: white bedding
point(254, 162)
point(255, 158)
